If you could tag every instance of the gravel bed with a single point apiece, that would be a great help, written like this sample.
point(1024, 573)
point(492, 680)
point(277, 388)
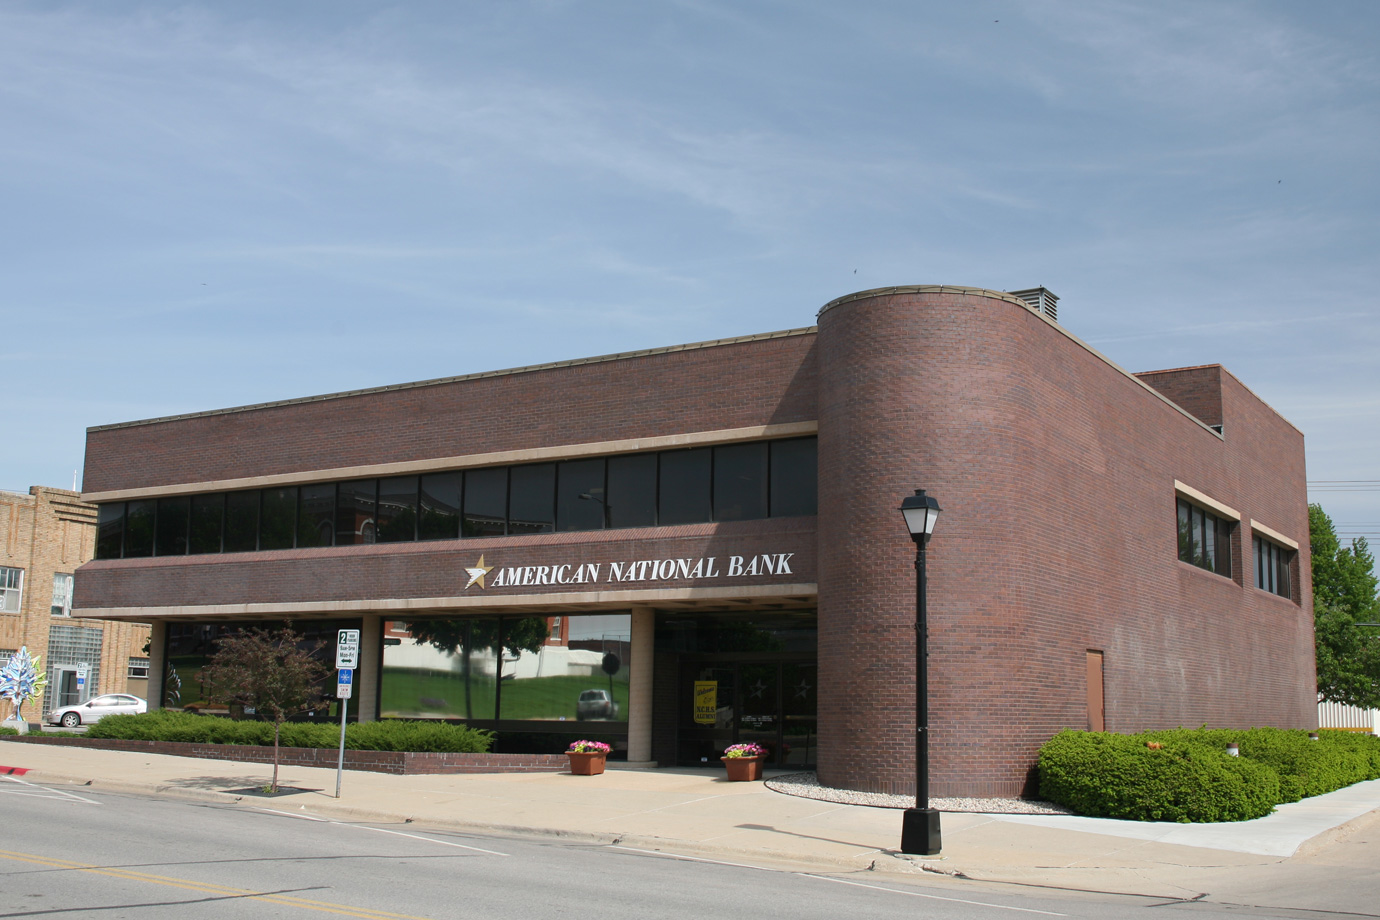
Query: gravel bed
point(806, 785)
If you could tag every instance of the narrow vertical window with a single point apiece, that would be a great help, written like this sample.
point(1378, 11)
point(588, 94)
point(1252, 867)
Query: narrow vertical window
point(62, 595)
point(110, 530)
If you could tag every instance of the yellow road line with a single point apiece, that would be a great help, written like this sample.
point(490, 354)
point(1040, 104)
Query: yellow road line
point(208, 887)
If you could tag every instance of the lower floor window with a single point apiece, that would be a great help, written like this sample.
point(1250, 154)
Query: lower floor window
point(138, 668)
point(1272, 564)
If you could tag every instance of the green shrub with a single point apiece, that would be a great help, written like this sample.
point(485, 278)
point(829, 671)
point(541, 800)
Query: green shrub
point(1190, 777)
point(9, 731)
point(1119, 776)
point(388, 735)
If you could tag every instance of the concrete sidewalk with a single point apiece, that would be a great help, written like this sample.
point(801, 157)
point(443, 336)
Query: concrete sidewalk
point(698, 812)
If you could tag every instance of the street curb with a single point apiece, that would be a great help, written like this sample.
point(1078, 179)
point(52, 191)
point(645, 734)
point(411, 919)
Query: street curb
point(881, 863)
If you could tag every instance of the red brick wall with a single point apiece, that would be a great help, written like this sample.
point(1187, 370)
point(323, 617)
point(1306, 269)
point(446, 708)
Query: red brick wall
point(770, 381)
point(396, 762)
point(1055, 472)
point(1196, 390)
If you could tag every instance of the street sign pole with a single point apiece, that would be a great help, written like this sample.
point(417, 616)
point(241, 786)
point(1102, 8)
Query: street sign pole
point(340, 761)
point(344, 689)
point(346, 660)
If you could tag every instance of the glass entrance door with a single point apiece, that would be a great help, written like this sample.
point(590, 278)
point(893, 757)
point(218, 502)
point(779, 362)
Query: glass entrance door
point(770, 703)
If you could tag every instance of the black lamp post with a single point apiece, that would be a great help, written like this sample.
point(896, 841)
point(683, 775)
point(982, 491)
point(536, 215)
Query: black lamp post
point(920, 825)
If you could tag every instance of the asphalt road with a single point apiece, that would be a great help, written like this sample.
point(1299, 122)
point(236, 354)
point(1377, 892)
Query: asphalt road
point(71, 851)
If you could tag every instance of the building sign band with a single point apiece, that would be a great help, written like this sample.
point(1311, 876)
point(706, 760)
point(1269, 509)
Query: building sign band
point(641, 570)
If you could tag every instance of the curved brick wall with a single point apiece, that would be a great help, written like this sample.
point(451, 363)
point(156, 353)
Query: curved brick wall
point(1055, 471)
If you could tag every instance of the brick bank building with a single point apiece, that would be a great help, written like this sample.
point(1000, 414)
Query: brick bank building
point(686, 547)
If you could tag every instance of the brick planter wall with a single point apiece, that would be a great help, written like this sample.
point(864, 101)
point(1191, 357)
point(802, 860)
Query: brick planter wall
point(402, 763)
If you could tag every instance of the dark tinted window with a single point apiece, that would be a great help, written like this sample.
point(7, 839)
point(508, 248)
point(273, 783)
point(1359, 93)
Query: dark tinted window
point(440, 507)
point(316, 515)
point(532, 499)
point(794, 477)
point(110, 530)
point(1204, 539)
point(278, 518)
point(740, 481)
point(241, 522)
point(683, 491)
point(208, 513)
point(139, 528)
point(398, 509)
point(486, 502)
point(632, 490)
point(580, 495)
point(172, 526)
point(355, 512)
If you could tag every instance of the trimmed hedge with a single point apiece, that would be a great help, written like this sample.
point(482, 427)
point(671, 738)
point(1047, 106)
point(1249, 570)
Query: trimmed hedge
point(389, 735)
point(1187, 774)
point(9, 731)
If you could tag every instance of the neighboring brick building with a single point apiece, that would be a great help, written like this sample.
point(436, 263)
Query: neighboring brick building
point(714, 530)
point(44, 537)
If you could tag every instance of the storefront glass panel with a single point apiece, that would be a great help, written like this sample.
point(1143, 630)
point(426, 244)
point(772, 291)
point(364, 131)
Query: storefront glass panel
point(581, 676)
point(440, 669)
point(190, 646)
point(746, 678)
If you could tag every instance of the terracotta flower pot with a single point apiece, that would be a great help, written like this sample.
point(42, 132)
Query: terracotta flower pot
point(743, 769)
point(586, 764)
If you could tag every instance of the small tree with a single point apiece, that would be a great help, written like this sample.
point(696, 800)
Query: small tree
point(272, 670)
point(1344, 596)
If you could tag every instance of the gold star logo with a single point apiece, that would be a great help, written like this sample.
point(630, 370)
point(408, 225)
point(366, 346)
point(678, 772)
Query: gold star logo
point(477, 573)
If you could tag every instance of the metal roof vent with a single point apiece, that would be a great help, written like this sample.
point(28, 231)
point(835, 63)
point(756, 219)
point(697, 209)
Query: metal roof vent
point(1041, 300)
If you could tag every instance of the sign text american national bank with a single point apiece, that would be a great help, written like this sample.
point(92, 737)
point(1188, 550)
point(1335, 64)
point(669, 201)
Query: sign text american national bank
point(585, 573)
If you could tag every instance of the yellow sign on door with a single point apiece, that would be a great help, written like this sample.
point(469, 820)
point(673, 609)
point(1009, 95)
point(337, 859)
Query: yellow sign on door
point(706, 701)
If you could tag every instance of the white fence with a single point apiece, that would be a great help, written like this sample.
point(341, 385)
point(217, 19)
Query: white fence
point(1335, 715)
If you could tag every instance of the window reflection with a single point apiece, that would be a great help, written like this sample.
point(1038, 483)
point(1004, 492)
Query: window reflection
point(509, 668)
point(397, 509)
point(532, 499)
point(316, 515)
point(440, 507)
point(356, 509)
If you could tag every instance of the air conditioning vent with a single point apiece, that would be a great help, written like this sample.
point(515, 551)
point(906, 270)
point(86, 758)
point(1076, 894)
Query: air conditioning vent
point(1041, 300)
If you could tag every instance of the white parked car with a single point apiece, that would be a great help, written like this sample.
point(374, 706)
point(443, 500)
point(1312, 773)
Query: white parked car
point(95, 709)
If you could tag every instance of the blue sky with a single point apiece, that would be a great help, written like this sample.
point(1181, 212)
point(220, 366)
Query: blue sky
point(209, 205)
